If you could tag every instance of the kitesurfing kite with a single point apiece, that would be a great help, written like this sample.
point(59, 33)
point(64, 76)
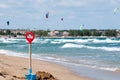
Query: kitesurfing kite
point(81, 27)
point(47, 15)
point(8, 23)
point(116, 10)
point(61, 19)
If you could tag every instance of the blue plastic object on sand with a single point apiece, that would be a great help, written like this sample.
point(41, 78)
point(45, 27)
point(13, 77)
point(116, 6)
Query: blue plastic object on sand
point(30, 76)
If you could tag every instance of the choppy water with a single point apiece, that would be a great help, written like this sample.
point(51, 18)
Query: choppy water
point(101, 53)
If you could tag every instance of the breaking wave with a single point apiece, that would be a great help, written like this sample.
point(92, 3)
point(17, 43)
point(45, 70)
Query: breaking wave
point(71, 45)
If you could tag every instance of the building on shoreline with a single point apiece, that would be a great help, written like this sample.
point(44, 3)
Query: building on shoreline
point(118, 33)
point(13, 33)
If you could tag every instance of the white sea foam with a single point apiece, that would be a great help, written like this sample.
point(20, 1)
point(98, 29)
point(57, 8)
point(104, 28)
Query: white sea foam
point(102, 68)
point(68, 40)
point(110, 48)
point(83, 40)
point(107, 68)
point(106, 41)
point(71, 45)
point(11, 53)
point(10, 40)
point(94, 64)
point(55, 59)
point(36, 56)
point(58, 41)
point(99, 41)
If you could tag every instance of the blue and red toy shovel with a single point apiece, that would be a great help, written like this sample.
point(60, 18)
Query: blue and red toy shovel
point(30, 37)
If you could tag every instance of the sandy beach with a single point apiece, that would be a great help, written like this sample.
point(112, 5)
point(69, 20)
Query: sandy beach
point(13, 67)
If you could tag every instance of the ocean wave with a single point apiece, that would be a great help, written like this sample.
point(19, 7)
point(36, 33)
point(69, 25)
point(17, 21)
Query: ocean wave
point(58, 41)
point(42, 41)
point(56, 59)
point(106, 41)
point(93, 64)
point(42, 56)
point(71, 45)
point(108, 68)
point(12, 53)
point(11, 40)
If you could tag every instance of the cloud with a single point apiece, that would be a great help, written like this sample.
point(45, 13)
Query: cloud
point(115, 2)
point(3, 6)
point(79, 3)
point(1, 14)
point(73, 3)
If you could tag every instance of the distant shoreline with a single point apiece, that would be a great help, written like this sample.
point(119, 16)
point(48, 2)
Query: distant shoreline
point(62, 37)
point(69, 37)
point(72, 33)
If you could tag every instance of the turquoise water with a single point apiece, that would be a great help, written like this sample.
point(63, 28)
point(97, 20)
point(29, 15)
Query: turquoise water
point(99, 53)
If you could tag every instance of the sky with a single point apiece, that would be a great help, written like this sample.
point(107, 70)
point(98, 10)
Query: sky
point(30, 14)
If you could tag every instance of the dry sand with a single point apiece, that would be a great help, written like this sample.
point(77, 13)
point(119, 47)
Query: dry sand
point(17, 67)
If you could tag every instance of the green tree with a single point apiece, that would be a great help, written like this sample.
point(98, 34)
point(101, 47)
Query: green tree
point(18, 33)
point(86, 33)
point(8, 32)
point(41, 33)
point(111, 33)
point(96, 33)
point(73, 33)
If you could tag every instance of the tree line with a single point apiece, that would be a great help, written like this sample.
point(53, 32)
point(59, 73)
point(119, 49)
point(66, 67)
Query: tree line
point(93, 32)
point(72, 32)
point(85, 32)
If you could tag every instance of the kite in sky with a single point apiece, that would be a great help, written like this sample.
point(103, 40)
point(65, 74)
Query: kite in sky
point(116, 10)
point(47, 15)
point(61, 19)
point(8, 23)
point(81, 27)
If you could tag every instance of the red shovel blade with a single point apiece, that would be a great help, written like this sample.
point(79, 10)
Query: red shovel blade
point(30, 37)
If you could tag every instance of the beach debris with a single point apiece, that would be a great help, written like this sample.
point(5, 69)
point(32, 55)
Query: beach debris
point(24, 68)
point(3, 73)
point(44, 76)
point(21, 78)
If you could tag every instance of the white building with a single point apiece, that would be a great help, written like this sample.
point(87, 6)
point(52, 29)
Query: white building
point(53, 33)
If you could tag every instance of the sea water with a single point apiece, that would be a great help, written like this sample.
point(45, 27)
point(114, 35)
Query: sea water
point(99, 53)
